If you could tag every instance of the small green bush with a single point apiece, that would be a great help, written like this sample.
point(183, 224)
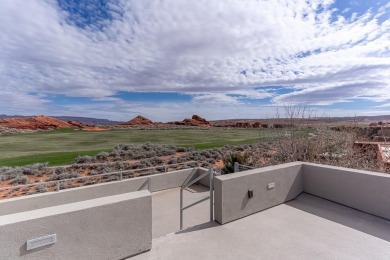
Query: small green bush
point(231, 158)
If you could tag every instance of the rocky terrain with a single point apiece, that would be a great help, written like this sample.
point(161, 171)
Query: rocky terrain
point(76, 124)
point(14, 125)
point(195, 120)
point(33, 123)
point(139, 121)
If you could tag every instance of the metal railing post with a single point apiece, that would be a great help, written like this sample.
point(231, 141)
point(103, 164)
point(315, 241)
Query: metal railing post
point(181, 209)
point(121, 176)
point(236, 166)
point(150, 184)
point(165, 168)
point(211, 195)
point(58, 185)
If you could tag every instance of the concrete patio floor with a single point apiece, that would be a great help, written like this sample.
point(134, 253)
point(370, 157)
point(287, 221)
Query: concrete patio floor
point(305, 228)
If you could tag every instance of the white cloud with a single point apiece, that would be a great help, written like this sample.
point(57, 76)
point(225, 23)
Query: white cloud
point(215, 98)
point(218, 49)
point(19, 103)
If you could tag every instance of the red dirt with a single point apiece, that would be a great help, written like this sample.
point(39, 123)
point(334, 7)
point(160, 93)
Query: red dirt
point(33, 123)
point(139, 120)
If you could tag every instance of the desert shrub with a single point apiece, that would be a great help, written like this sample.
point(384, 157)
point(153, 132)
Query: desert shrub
point(147, 146)
point(7, 173)
point(84, 159)
point(139, 165)
point(120, 165)
point(117, 155)
point(144, 154)
point(76, 166)
point(215, 154)
point(165, 151)
point(146, 162)
point(63, 176)
point(210, 160)
point(106, 169)
point(21, 179)
point(119, 147)
point(36, 169)
point(156, 161)
point(99, 168)
point(41, 188)
point(93, 166)
point(18, 173)
point(181, 159)
point(112, 178)
point(127, 154)
point(182, 149)
point(240, 148)
point(230, 159)
point(59, 170)
point(172, 160)
point(205, 153)
point(102, 155)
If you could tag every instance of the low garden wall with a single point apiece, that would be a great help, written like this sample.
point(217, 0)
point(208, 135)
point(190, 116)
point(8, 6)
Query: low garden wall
point(113, 227)
point(362, 190)
point(270, 185)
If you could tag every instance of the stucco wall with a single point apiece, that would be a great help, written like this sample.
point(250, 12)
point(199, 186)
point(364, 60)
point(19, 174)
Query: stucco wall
point(362, 190)
point(171, 179)
point(111, 227)
point(231, 190)
point(159, 182)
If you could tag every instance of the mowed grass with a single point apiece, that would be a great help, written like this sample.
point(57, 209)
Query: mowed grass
point(62, 146)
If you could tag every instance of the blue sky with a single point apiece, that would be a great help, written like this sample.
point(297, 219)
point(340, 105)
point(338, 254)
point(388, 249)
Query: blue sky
point(170, 59)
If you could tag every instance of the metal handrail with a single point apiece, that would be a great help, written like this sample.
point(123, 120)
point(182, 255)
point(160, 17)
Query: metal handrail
point(247, 167)
point(189, 176)
point(237, 167)
point(186, 184)
point(195, 180)
point(58, 182)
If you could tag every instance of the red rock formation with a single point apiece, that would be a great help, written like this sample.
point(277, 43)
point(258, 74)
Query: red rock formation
point(76, 124)
point(139, 120)
point(194, 121)
point(256, 125)
point(33, 123)
point(243, 124)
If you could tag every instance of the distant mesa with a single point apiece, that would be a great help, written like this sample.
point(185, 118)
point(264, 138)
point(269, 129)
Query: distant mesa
point(194, 121)
point(139, 121)
point(88, 120)
point(33, 123)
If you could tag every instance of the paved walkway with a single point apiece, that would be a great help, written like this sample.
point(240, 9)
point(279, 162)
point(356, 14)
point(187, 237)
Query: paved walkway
point(305, 228)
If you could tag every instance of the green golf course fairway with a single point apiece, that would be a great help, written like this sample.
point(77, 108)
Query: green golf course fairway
point(62, 146)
